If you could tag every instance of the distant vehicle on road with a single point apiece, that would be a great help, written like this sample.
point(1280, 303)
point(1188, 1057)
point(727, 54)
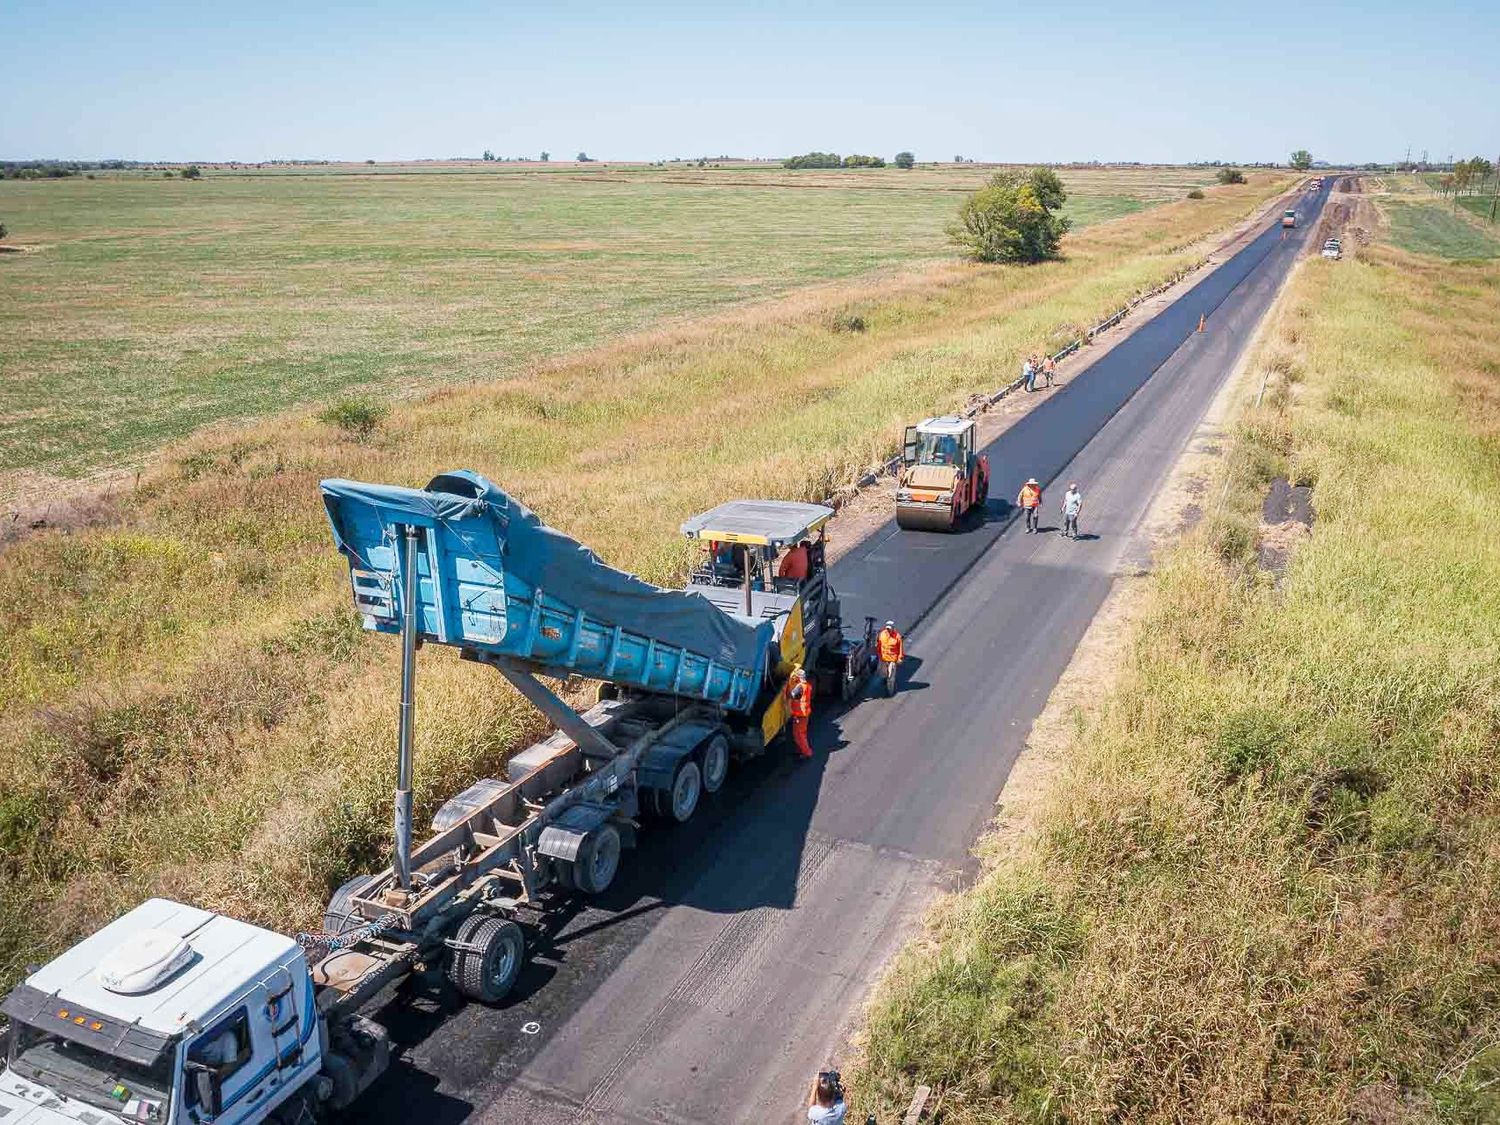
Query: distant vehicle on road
point(1333, 248)
point(1289, 218)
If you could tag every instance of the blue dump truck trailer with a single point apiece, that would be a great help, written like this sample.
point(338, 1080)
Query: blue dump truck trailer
point(144, 1011)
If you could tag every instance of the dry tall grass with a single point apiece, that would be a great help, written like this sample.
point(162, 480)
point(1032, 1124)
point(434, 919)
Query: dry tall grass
point(1267, 884)
point(186, 705)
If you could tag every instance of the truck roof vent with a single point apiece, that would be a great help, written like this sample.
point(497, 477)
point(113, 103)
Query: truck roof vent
point(144, 961)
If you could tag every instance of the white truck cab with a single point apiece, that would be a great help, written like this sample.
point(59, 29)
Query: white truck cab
point(169, 1014)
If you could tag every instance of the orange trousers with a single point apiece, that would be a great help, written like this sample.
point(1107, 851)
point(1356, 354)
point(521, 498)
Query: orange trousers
point(799, 735)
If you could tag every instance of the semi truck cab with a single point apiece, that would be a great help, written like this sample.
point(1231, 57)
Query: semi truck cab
point(169, 1014)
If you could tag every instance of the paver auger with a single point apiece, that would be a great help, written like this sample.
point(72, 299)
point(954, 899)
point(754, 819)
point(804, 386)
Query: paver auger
point(173, 1014)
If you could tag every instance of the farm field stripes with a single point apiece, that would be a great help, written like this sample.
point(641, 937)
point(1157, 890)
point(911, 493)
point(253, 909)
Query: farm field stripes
point(150, 308)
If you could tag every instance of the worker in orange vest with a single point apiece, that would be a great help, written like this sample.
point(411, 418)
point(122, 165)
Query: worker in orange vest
point(892, 652)
point(799, 694)
point(1030, 500)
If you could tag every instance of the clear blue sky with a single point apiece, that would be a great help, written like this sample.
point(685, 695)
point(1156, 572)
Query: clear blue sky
point(1153, 80)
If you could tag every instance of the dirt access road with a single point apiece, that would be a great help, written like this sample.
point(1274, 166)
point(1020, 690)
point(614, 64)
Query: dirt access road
point(729, 960)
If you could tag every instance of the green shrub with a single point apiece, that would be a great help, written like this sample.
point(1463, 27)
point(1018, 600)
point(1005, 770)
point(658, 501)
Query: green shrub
point(846, 320)
point(813, 160)
point(905, 160)
point(1196, 193)
point(192, 172)
point(359, 418)
point(864, 162)
point(1231, 176)
point(1013, 218)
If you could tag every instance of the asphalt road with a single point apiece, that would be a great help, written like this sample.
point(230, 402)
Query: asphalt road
point(731, 955)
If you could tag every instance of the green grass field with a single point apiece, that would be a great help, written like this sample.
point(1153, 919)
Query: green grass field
point(149, 308)
point(1433, 228)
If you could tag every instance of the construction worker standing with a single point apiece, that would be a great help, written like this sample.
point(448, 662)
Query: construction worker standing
point(1072, 505)
point(892, 652)
point(799, 694)
point(1030, 500)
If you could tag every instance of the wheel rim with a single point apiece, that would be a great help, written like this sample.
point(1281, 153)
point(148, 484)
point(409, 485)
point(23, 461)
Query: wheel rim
point(685, 791)
point(605, 859)
point(502, 965)
point(715, 764)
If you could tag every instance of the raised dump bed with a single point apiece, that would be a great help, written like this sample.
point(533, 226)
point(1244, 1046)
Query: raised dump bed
point(494, 580)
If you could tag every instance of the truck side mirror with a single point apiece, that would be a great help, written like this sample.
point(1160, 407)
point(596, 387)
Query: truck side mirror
point(208, 1092)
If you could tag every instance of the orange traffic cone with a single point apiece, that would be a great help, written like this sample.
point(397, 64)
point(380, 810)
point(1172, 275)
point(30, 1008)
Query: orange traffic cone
point(1201, 318)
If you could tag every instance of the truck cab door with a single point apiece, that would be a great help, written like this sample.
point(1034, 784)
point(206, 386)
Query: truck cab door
point(909, 446)
point(236, 1049)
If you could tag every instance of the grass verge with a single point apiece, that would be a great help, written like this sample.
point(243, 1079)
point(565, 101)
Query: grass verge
point(186, 705)
point(1265, 885)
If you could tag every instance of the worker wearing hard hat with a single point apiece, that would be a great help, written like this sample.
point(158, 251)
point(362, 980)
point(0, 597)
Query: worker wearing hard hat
point(1030, 501)
point(892, 651)
point(799, 695)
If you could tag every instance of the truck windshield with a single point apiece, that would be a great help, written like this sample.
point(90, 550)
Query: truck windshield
point(91, 1075)
point(937, 449)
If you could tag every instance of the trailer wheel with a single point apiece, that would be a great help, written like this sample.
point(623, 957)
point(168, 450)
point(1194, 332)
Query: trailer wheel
point(487, 970)
point(687, 787)
point(598, 860)
point(714, 763)
point(338, 915)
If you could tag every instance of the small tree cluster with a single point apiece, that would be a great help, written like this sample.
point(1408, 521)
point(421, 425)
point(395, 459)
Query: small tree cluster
point(192, 172)
point(864, 162)
point(1013, 218)
point(905, 160)
point(585, 158)
point(814, 160)
point(1302, 160)
point(1230, 176)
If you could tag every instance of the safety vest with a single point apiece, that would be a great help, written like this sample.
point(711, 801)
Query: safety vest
point(890, 646)
point(800, 693)
point(1031, 496)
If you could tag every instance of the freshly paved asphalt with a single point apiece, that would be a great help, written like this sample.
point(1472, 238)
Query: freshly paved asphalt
point(731, 955)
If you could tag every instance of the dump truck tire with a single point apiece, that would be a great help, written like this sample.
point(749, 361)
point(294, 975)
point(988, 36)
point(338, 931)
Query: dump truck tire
point(338, 915)
point(713, 763)
point(598, 861)
point(487, 970)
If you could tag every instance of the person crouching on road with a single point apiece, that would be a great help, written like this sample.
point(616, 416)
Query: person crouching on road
point(827, 1100)
point(1030, 500)
point(799, 695)
point(1072, 504)
point(892, 652)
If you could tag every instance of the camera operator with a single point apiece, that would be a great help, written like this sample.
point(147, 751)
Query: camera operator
point(826, 1106)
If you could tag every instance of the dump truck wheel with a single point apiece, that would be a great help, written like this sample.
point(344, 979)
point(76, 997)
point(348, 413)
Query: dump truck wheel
point(598, 860)
point(714, 763)
point(687, 788)
point(338, 915)
point(487, 970)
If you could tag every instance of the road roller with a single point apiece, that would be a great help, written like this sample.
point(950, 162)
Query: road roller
point(943, 475)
